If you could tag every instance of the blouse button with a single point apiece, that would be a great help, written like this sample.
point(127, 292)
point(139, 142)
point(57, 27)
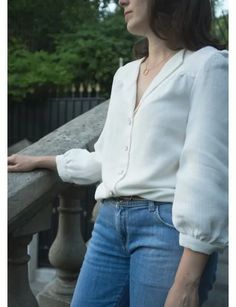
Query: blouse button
point(126, 148)
point(129, 121)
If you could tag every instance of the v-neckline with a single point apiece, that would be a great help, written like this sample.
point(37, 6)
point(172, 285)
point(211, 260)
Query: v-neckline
point(137, 106)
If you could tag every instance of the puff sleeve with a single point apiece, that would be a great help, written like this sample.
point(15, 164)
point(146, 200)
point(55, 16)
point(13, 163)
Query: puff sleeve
point(201, 196)
point(80, 166)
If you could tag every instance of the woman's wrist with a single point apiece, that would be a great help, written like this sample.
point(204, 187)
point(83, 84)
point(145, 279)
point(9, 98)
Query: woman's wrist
point(185, 281)
point(48, 162)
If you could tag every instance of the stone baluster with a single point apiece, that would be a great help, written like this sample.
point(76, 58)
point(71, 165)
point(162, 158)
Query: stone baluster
point(19, 292)
point(67, 251)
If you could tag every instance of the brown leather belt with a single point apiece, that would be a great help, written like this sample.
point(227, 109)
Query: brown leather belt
point(126, 198)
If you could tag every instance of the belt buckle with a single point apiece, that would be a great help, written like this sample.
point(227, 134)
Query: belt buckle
point(132, 197)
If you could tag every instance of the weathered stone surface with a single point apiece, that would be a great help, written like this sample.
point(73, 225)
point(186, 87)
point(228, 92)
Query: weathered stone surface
point(77, 133)
point(18, 146)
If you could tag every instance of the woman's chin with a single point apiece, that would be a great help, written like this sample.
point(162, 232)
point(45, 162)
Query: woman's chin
point(135, 29)
point(132, 29)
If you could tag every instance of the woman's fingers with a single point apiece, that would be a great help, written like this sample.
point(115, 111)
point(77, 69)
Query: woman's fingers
point(13, 168)
point(13, 165)
point(11, 159)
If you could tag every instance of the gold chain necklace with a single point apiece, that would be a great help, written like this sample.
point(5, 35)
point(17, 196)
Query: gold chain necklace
point(147, 70)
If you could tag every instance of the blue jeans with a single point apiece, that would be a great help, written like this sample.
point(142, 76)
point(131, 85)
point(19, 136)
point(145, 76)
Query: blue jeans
point(133, 256)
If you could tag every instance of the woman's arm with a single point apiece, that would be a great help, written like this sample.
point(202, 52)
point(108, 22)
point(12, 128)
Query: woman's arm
point(24, 163)
point(77, 166)
point(184, 291)
point(190, 268)
point(201, 194)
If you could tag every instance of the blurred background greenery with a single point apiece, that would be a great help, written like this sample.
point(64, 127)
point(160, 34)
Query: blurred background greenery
point(57, 42)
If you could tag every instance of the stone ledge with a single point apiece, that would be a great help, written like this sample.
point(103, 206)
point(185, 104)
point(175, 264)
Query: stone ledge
point(25, 190)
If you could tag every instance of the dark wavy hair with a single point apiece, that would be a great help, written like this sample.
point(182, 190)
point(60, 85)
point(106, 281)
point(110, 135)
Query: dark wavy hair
point(182, 23)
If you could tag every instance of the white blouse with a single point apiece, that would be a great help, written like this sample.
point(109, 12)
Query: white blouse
point(173, 148)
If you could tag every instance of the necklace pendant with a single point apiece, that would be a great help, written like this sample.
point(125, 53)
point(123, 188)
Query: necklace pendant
point(146, 71)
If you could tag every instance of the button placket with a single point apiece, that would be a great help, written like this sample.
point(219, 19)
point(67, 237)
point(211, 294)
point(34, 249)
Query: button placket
point(126, 148)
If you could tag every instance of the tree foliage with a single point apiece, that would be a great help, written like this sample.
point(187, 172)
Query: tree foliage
point(37, 22)
point(30, 71)
point(60, 42)
point(54, 43)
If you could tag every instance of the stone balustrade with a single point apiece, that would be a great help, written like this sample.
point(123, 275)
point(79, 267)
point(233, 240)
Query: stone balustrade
point(29, 212)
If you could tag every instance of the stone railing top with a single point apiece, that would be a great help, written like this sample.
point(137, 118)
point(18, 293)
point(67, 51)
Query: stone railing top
point(25, 190)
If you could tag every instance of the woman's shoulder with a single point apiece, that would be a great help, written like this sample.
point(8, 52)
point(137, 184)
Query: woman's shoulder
point(204, 58)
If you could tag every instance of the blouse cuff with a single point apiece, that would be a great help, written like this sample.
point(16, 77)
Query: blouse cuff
point(198, 245)
point(61, 168)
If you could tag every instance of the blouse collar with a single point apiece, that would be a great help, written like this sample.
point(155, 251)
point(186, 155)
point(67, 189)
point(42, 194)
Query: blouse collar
point(170, 66)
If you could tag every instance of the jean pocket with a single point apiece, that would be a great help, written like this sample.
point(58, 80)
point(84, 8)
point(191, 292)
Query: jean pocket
point(163, 213)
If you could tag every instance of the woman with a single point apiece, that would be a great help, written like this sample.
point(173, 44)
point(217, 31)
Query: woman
point(162, 163)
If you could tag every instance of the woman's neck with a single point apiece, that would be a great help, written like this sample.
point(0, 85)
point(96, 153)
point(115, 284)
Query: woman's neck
point(158, 49)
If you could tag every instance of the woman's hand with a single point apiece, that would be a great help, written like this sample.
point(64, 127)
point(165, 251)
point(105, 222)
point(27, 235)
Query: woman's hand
point(21, 163)
point(184, 291)
point(182, 296)
point(24, 163)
